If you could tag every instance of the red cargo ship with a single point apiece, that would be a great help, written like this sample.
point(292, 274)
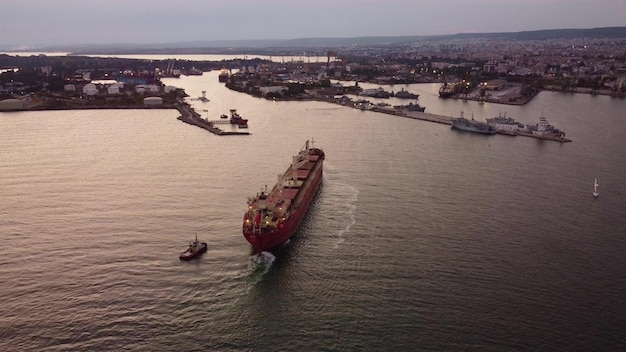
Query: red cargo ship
point(273, 217)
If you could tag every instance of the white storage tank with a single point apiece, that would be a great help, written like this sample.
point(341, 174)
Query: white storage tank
point(113, 90)
point(11, 104)
point(152, 101)
point(69, 88)
point(90, 89)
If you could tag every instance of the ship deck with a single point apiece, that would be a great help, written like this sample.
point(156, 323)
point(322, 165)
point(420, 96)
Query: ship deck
point(290, 193)
point(303, 174)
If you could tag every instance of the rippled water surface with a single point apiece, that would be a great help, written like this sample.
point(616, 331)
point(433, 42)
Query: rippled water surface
point(421, 237)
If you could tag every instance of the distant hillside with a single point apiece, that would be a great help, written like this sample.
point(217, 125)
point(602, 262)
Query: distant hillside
point(239, 46)
point(606, 32)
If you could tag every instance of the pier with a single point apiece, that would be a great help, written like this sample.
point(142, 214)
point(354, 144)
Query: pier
point(448, 121)
point(190, 116)
point(445, 120)
point(416, 115)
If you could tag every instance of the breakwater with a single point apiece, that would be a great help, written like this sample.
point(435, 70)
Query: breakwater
point(190, 116)
point(446, 120)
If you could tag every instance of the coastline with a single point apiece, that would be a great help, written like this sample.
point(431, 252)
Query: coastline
point(424, 116)
point(190, 116)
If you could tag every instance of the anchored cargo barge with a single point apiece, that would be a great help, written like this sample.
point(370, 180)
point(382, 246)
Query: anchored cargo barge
point(273, 217)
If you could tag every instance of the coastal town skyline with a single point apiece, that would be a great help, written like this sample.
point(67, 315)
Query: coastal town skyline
point(72, 22)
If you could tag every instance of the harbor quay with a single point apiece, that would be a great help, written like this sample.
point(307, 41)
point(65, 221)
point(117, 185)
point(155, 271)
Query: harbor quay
point(446, 120)
point(190, 116)
point(441, 119)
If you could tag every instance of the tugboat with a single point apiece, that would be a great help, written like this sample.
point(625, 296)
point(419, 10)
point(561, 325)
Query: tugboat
point(236, 119)
point(196, 248)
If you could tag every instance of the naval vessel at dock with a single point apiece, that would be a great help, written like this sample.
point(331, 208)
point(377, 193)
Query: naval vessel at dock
point(463, 124)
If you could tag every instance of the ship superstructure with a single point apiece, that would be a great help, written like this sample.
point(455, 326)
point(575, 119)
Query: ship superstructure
point(505, 123)
point(543, 128)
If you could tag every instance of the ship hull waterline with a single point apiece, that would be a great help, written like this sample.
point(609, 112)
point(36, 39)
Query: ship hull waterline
point(261, 243)
point(267, 241)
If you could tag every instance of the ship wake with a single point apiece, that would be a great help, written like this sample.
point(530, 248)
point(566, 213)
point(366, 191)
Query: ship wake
point(265, 258)
point(259, 265)
point(341, 201)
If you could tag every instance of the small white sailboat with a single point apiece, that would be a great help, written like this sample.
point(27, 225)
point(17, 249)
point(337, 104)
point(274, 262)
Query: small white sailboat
point(596, 194)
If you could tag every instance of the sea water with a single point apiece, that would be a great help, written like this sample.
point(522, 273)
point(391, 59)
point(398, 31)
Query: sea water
point(420, 238)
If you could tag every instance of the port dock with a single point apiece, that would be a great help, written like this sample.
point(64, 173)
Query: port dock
point(446, 120)
point(190, 116)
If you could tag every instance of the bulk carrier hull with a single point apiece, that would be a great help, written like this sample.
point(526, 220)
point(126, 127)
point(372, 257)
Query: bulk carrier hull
point(273, 217)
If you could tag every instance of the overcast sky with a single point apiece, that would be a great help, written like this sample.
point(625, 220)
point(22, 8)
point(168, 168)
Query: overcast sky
point(34, 23)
